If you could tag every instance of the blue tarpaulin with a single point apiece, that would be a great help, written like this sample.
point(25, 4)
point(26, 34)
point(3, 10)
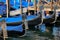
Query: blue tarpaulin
point(2, 9)
point(15, 5)
point(17, 19)
point(14, 28)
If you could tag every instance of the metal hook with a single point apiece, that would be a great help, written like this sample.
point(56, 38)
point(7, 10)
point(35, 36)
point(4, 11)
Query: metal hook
point(23, 19)
point(26, 28)
point(42, 13)
point(55, 14)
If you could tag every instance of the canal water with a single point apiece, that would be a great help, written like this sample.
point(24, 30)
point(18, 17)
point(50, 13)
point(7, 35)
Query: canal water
point(42, 34)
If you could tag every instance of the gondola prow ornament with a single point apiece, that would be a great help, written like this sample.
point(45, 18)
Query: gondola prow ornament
point(23, 19)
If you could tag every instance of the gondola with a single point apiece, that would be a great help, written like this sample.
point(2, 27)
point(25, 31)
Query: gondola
point(15, 22)
point(52, 14)
point(56, 17)
point(18, 17)
point(13, 27)
point(51, 18)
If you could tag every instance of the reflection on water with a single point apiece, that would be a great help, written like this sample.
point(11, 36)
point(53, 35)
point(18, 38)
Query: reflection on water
point(41, 34)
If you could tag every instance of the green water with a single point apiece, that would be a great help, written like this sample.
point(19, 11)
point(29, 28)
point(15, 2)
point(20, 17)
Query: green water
point(30, 36)
point(35, 35)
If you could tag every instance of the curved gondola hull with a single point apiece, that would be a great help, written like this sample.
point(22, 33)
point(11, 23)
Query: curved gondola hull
point(49, 19)
point(14, 31)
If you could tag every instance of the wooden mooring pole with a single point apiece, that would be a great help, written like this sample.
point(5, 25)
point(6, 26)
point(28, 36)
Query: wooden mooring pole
point(3, 26)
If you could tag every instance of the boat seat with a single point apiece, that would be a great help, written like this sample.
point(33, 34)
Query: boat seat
point(31, 12)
